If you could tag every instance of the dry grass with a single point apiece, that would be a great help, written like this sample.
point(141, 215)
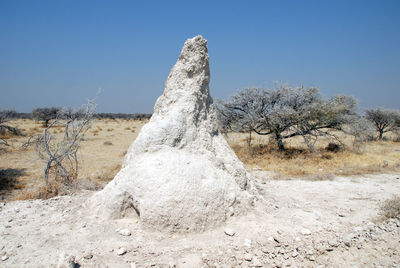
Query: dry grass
point(391, 208)
point(98, 163)
point(21, 170)
point(299, 161)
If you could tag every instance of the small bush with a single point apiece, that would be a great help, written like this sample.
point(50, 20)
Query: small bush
point(107, 143)
point(333, 147)
point(391, 208)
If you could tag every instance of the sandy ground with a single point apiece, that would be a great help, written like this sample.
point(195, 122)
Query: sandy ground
point(301, 224)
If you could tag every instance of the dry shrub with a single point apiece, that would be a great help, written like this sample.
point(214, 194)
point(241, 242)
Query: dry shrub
point(333, 147)
point(133, 131)
point(391, 208)
point(9, 178)
point(43, 191)
point(107, 143)
point(127, 128)
point(55, 188)
point(110, 129)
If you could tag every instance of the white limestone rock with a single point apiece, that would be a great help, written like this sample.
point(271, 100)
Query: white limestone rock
point(180, 173)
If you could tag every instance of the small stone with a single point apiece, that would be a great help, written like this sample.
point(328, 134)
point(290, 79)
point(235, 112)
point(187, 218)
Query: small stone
point(286, 256)
point(121, 251)
point(133, 265)
point(333, 242)
point(125, 232)
point(295, 253)
point(311, 258)
point(248, 257)
point(229, 232)
point(88, 256)
point(66, 261)
point(305, 232)
point(374, 237)
point(276, 239)
point(347, 241)
point(247, 242)
point(4, 258)
point(257, 262)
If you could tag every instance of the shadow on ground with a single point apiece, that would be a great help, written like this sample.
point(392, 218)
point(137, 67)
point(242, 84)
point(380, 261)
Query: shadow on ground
point(9, 178)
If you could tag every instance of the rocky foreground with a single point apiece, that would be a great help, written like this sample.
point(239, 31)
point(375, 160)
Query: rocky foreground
point(301, 224)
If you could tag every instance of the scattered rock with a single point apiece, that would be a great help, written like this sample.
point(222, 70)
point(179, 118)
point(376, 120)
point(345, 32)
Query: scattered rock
point(121, 251)
point(333, 242)
point(66, 261)
point(247, 242)
point(305, 232)
point(229, 232)
point(257, 262)
point(248, 257)
point(295, 253)
point(4, 258)
point(125, 232)
point(88, 256)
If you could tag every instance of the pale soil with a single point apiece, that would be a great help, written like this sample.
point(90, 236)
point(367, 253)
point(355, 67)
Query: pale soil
point(34, 233)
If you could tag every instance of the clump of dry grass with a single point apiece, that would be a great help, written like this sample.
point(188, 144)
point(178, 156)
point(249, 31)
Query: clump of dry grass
point(56, 188)
point(391, 208)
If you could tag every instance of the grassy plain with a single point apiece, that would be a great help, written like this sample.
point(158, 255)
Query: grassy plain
point(106, 143)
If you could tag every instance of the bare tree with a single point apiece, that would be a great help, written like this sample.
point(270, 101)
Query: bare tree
point(5, 117)
point(286, 112)
point(45, 114)
point(384, 120)
point(60, 153)
point(240, 112)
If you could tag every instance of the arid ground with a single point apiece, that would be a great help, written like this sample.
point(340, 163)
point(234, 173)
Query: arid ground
point(321, 209)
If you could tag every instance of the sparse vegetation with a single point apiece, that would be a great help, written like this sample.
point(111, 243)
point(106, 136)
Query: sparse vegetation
point(45, 114)
point(391, 208)
point(7, 130)
point(384, 120)
point(286, 112)
point(60, 155)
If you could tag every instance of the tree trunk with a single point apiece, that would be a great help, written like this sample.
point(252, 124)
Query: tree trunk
point(279, 141)
point(249, 140)
point(380, 135)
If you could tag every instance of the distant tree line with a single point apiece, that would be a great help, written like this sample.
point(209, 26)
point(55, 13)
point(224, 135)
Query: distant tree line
point(43, 114)
point(135, 116)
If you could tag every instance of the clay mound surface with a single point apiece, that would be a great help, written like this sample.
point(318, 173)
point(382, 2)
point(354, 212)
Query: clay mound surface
point(180, 173)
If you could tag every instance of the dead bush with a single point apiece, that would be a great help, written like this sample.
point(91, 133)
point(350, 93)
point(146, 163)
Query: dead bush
point(333, 147)
point(391, 208)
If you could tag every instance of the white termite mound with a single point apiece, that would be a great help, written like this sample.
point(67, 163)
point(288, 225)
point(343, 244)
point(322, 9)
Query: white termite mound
point(180, 173)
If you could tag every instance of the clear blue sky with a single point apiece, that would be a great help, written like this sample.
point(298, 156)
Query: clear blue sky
point(58, 53)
